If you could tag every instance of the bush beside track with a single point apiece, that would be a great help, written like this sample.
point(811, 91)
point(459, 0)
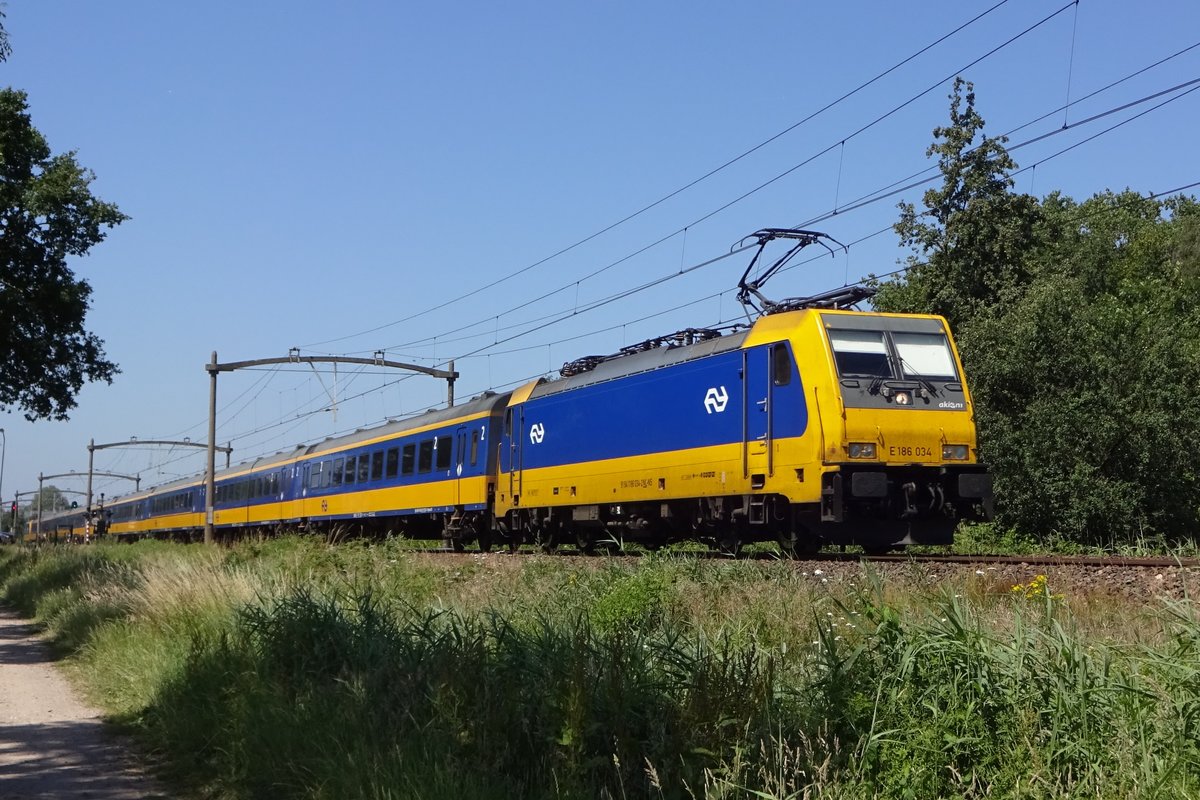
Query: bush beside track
point(292, 669)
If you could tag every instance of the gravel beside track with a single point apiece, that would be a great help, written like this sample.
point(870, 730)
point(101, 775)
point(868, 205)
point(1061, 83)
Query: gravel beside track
point(1118, 581)
point(1122, 585)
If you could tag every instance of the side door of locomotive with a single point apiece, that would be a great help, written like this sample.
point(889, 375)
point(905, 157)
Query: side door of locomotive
point(756, 415)
point(514, 425)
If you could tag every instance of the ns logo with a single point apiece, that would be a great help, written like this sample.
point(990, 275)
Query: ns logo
point(715, 400)
point(537, 432)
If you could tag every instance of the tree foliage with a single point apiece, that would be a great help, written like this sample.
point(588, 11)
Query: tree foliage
point(968, 242)
point(1079, 327)
point(47, 215)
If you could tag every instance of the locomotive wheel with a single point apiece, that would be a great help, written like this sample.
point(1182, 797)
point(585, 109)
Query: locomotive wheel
point(614, 547)
point(797, 543)
point(546, 536)
point(483, 533)
point(585, 541)
point(729, 544)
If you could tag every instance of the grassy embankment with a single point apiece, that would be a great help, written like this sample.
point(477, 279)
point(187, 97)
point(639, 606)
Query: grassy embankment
point(292, 669)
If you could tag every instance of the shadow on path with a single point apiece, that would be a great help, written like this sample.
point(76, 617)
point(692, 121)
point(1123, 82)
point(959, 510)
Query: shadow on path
point(67, 760)
point(51, 744)
point(18, 643)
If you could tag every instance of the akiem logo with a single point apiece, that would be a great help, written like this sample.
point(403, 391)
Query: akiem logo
point(716, 399)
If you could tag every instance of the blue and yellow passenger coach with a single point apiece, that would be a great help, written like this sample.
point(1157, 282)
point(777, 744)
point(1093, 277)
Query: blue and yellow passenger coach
point(813, 426)
point(429, 476)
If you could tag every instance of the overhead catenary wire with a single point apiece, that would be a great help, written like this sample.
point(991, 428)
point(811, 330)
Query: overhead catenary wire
point(1031, 167)
point(680, 190)
point(709, 215)
point(859, 200)
point(889, 191)
point(553, 319)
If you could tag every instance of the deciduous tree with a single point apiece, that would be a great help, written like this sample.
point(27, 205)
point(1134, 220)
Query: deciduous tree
point(48, 214)
point(1079, 327)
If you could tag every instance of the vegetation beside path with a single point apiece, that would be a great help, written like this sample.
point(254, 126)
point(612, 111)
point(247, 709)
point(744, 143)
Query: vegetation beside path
point(294, 669)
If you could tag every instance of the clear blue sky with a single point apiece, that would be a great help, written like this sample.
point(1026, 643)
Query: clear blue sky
point(299, 172)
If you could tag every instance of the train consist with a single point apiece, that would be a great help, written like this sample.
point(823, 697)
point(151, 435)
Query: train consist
point(812, 425)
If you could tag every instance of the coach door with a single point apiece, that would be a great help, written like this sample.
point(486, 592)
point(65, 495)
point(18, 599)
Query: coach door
point(756, 416)
point(460, 455)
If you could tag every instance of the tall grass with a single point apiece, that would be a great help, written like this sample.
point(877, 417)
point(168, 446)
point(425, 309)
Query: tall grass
point(290, 669)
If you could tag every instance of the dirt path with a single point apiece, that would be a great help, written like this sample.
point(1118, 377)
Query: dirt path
point(51, 744)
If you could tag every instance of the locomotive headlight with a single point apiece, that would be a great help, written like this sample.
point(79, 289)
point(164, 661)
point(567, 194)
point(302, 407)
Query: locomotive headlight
point(862, 449)
point(954, 452)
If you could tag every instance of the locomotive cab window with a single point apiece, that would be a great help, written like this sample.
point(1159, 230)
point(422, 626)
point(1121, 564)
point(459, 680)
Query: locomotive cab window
point(860, 354)
point(925, 355)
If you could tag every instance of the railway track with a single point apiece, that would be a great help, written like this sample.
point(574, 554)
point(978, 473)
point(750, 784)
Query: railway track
point(1033, 560)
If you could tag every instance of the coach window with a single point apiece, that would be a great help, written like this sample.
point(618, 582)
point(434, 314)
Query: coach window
point(338, 466)
point(326, 474)
point(474, 447)
point(408, 460)
point(314, 476)
point(393, 461)
point(781, 364)
point(376, 465)
point(425, 456)
point(351, 470)
point(364, 468)
point(444, 448)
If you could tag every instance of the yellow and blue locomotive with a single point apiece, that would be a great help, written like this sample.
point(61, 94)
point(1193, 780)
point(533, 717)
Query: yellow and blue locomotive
point(814, 425)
